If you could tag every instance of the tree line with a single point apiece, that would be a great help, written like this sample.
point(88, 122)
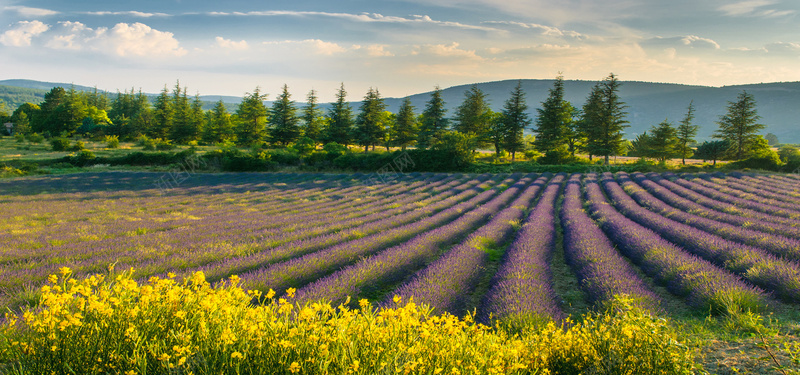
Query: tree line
point(561, 130)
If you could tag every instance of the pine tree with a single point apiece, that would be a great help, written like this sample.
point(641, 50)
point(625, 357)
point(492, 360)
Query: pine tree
point(220, 127)
point(162, 115)
point(285, 125)
point(739, 127)
point(405, 127)
point(472, 117)
point(252, 118)
point(433, 122)
point(553, 124)
point(663, 142)
point(182, 131)
point(312, 118)
point(604, 119)
point(370, 128)
point(514, 121)
point(42, 119)
point(686, 133)
point(340, 120)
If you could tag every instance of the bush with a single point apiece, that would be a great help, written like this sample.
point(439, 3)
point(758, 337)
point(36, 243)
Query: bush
point(78, 146)
point(164, 144)
point(82, 158)
point(233, 159)
point(112, 141)
point(59, 144)
point(19, 137)
point(767, 162)
point(115, 324)
point(334, 150)
point(35, 138)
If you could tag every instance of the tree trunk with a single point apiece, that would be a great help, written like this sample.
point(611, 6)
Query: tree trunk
point(606, 160)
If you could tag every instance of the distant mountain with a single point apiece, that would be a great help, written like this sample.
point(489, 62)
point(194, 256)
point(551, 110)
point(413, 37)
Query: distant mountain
point(648, 103)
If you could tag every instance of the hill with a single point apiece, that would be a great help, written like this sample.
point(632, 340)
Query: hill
point(648, 103)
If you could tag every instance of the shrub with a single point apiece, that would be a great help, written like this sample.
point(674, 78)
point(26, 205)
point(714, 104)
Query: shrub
point(164, 144)
point(115, 324)
point(19, 137)
point(81, 158)
point(59, 144)
point(334, 150)
point(78, 146)
point(35, 138)
point(112, 141)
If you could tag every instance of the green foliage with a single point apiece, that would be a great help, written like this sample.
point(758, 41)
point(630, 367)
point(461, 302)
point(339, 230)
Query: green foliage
point(686, 133)
point(432, 121)
point(283, 120)
point(772, 139)
point(371, 123)
point(513, 120)
point(252, 118)
point(553, 124)
point(220, 127)
point(663, 142)
point(81, 158)
point(339, 123)
point(458, 146)
point(112, 141)
point(305, 146)
point(230, 158)
point(405, 126)
point(713, 150)
point(35, 138)
point(603, 119)
point(473, 116)
point(59, 144)
point(740, 127)
point(334, 149)
point(313, 120)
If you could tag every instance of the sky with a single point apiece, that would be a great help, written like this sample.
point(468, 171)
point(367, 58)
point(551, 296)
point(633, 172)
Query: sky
point(400, 47)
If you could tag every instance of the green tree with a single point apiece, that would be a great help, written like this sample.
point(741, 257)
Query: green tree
point(663, 143)
point(714, 150)
point(183, 128)
point(574, 136)
point(312, 117)
point(69, 115)
point(686, 133)
point(285, 125)
point(472, 117)
point(23, 126)
point(405, 126)
point(41, 120)
point(370, 128)
point(604, 119)
point(553, 124)
point(252, 118)
point(340, 120)
point(740, 127)
point(514, 121)
point(163, 115)
point(772, 139)
point(219, 127)
point(433, 123)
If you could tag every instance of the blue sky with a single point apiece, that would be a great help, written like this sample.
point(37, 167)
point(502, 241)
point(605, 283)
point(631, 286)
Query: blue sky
point(401, 47)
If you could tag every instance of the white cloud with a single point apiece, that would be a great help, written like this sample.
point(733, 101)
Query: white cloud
point(689, 41)
point(362, 17)
point(315, 46)
point(138, 39)
point(133, 13)
point(31, 12)
point(753, 8)
point(543, 29)
point(447, 50)
point(23, 33)
point(378, 50)
point(230, 44)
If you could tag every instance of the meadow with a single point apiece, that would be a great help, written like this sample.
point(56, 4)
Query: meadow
point(173, 272)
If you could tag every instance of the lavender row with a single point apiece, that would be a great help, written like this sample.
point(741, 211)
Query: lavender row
point(217, 231)
point(734, 200)
point(777, 245)
point(705, 180)
point(740, 182)
point(522, 288)
point(307, 268)
point(687, 201)
point(603, 273)
point(447, 283)
point(756, 265)
point(395, 263)
point(781, 187)
point(705, 285)
point(721, 206)
point(187, 255)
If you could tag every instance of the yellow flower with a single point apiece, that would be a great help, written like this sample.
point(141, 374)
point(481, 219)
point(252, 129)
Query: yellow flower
point(270, 294)
point(294, 367)
point(64, 271)
point(236, 355)
point(290, 292)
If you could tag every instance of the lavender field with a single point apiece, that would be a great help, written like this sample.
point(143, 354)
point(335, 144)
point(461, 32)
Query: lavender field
point(494, 244)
